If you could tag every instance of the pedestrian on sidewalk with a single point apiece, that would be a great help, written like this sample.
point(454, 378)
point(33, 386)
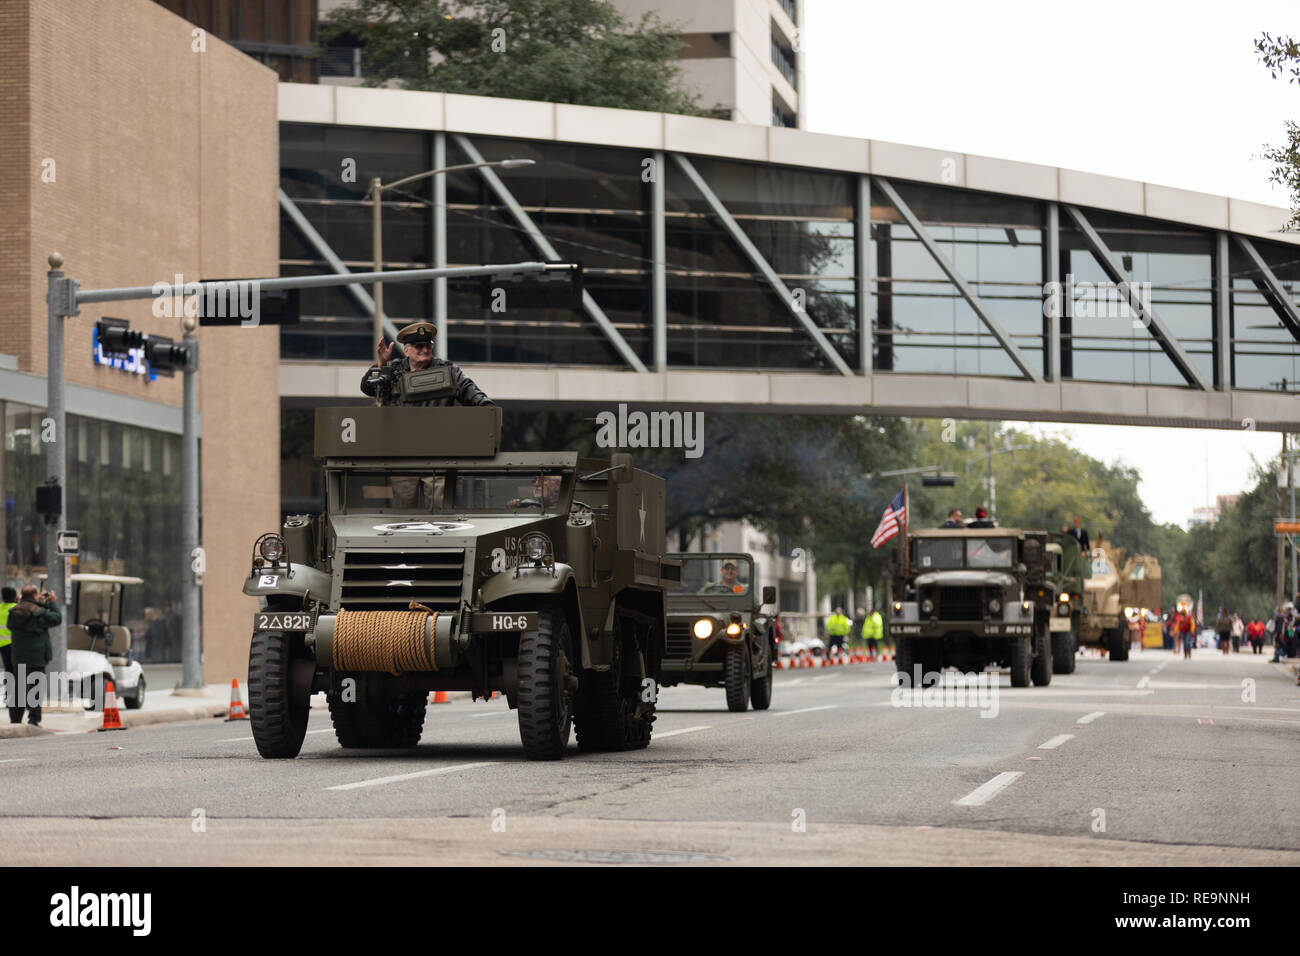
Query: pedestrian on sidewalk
point(1255, 634)
point(873, 631)
point(29, 623)
point(1238, 629)
point(8, 599)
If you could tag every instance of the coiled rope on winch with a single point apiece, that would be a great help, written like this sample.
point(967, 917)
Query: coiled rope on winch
point(388, 641)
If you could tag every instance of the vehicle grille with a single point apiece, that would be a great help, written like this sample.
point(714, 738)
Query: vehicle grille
point(678, 643)
point(375, 580)
point(961, 604)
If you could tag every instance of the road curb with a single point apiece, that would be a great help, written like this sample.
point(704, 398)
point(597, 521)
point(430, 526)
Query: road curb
point(146, 718)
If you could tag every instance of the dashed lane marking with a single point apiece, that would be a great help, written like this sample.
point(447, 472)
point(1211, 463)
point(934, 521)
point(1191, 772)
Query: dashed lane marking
point(1089, 718)
point(804, 710)
point(1055, 742)
point(1144, 682)
point(398, 778)
point(495, 713)
point(231, 740)
point(982, 795)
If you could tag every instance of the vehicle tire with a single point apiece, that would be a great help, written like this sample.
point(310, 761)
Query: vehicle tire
point(1062, 652)
point(375, 719)
point(760, 688)
point(735, 673)
point(1041, 669)
point(904, 658)
point(136, 701)
point(545, 690)
point(1117, 640)
point(279, 722)
point(610, 713)
point(1022, 658)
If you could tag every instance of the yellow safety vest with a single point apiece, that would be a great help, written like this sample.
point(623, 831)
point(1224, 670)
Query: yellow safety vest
point(5, 636)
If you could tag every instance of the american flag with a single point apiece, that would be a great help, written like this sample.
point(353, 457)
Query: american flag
point(889, 522)
point(1200, 622)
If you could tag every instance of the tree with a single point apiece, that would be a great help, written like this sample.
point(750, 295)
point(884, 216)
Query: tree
point(560, 51)
point(1281, 55)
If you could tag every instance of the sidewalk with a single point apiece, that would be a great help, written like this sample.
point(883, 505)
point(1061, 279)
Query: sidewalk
point(160, 707)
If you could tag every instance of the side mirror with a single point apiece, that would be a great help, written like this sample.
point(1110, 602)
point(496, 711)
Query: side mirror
point(769, 594)
point(620, 467)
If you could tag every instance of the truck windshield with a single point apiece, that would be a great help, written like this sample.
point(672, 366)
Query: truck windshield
point(965, 552)
point(455, 492)
point(715, 575)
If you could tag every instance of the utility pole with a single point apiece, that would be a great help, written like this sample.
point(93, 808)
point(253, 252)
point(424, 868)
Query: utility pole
point(60, 299)
point(1281, 560)
point(191, 666)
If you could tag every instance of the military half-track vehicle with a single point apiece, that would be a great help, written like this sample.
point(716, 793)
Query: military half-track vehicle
point(442, 563)
point(970, 597)
point(1116, 590)
point(718, 633)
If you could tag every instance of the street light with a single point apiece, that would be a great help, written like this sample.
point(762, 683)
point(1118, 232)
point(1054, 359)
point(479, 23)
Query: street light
point(377, 190)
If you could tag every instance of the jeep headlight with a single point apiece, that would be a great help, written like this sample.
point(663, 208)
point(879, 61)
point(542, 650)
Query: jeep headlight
point(927, 606)
point(271, 548)
point(703, 628)
point(994, 605)
point(536, 546)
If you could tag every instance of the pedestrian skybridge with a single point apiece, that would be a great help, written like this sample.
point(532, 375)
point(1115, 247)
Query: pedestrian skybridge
point(730, 266)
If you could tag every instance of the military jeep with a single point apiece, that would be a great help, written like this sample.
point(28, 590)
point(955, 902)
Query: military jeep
point(718, 635)
point(970, 597)
point(443, 564)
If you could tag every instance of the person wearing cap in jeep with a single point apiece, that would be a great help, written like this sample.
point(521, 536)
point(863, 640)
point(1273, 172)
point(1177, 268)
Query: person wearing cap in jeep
point(416, 340)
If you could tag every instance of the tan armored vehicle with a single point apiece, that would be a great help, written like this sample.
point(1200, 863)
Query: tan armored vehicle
point(442, 563)
point(1116, 591)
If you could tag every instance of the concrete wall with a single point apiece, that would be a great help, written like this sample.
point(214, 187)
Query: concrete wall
point(166, 162)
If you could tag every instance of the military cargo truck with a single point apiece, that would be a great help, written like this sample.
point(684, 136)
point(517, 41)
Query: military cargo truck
point(718, 633)
point(1065, 579)
point(443, 563)
point(970, 597)
point(1116, 590)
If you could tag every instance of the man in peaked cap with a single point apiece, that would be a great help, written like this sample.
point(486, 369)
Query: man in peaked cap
point(416, 340)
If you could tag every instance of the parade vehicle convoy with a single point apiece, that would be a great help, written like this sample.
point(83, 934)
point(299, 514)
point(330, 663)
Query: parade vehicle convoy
point(1116, 591)
point(971, 597)
point(441, 563)
point(718, 634)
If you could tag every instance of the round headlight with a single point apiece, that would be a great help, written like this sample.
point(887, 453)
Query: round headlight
point(927, 606)
point(1063, 609)
point(272, 548)
point(994, 605)
point(703, 628)
point(898, 607)
point(536, 547)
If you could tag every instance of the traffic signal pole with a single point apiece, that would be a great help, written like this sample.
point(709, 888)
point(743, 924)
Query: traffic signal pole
point(60, 298)
point(191, 663)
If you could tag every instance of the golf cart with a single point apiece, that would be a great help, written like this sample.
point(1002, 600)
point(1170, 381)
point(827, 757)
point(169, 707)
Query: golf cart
point(99, 645)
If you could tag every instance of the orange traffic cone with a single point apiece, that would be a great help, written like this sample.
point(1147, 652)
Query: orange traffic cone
point(112, 719)
point(237, 711)
point(440, 697)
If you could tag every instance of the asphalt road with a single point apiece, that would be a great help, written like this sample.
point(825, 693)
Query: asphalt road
point(1152, 761)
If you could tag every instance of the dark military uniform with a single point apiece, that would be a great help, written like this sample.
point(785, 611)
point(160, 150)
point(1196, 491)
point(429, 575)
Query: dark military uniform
point(421, 333)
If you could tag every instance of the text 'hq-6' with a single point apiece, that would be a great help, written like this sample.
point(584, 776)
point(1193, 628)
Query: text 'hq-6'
point(444, 564)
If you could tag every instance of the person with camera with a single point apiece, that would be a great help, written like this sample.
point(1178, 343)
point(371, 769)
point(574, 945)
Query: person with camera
point(416, 340)
point(29, 627)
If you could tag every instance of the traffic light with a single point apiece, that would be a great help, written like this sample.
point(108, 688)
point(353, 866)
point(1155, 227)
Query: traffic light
point(164, 355)
point(116, 338)
point(942, 479)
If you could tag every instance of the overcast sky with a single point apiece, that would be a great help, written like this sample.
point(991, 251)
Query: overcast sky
point(1165, 91)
